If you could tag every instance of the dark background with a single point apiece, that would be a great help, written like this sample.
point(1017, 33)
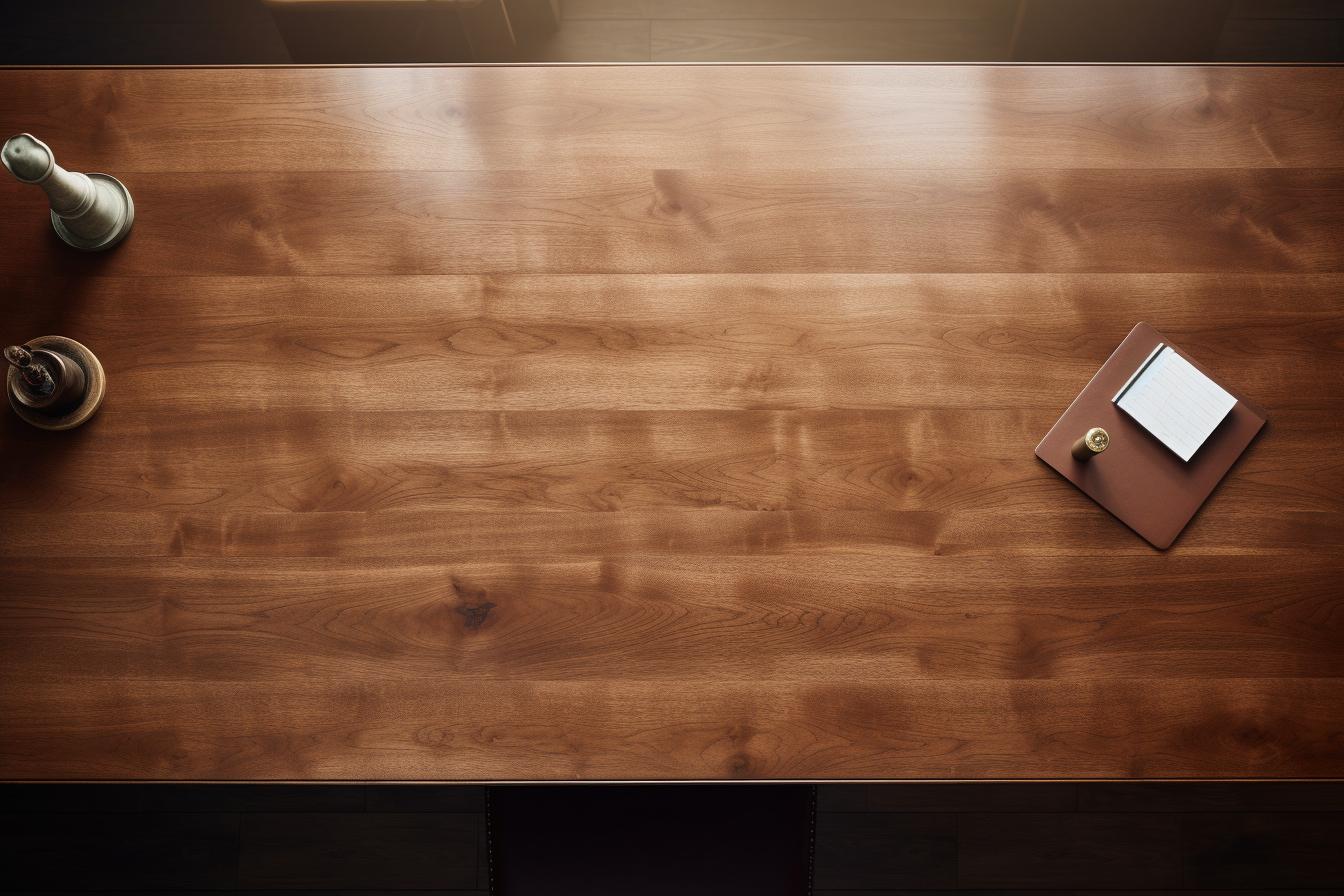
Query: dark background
point(200, 32)
point(870, 840)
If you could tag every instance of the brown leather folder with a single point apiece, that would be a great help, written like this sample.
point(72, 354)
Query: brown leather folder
point(1137, 478)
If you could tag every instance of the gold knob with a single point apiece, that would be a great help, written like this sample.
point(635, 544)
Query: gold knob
point(1091, 444)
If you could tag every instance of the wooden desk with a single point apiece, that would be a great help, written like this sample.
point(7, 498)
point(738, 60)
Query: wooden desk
point(720, 384)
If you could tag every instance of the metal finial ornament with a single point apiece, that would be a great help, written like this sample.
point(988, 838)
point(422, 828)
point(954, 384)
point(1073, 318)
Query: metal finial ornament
point(38, 384)
point(1095, 441)
point(89, 211)
point(54, 382)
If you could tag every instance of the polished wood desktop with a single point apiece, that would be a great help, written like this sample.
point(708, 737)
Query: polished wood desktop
point(630, 422)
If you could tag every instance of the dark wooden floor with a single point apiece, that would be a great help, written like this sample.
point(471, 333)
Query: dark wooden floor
point(170, 32)
point(871, 840)
point(132, 838)
point(885, 839)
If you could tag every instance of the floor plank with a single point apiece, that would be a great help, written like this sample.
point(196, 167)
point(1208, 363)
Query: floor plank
point(1274, 9)
point(657, 840)
point(120, 851)
point(842, 797)
point(1082, 892)
point(83, 42)
point(1082, 850)
point(291, 798)
point(1282, 849)
point(1286, 40)
point(398, 851)
point(328, 892)
point(1211, 796)
point(893, 850)
point(82, 799)
point(827, 40)
point(1055, 796)
point(425, 798)
point(782, 9)
point(140, 12)
point(584, 40)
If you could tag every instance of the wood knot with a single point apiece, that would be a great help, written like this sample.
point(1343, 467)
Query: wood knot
point(476, 615)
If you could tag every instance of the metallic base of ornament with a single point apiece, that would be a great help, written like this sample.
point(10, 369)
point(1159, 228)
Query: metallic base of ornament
point(95, 389)
point(113, 236)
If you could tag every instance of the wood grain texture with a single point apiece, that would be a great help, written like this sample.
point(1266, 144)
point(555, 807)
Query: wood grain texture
point(450, 537)
point(574, 120)
point(675, 730)
point(680, 342)
point(510, 461)
point(676, 221)
point(776, 619)
point(674, 423)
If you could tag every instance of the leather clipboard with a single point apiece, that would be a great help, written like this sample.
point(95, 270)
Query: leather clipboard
point(1137, 478)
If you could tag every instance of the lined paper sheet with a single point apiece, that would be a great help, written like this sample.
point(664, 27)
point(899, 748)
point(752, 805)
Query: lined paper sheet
point(1176, 403)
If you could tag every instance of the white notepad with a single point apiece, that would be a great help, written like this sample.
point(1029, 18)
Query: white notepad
point(1174, 401)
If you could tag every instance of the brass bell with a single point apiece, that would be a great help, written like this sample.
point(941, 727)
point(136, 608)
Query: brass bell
point(54, 382)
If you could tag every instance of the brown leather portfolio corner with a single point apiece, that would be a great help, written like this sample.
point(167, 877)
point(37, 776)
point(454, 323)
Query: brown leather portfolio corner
point(1137, 478)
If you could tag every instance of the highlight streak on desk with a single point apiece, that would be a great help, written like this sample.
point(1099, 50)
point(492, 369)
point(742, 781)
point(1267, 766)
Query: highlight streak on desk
point(674, 423)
